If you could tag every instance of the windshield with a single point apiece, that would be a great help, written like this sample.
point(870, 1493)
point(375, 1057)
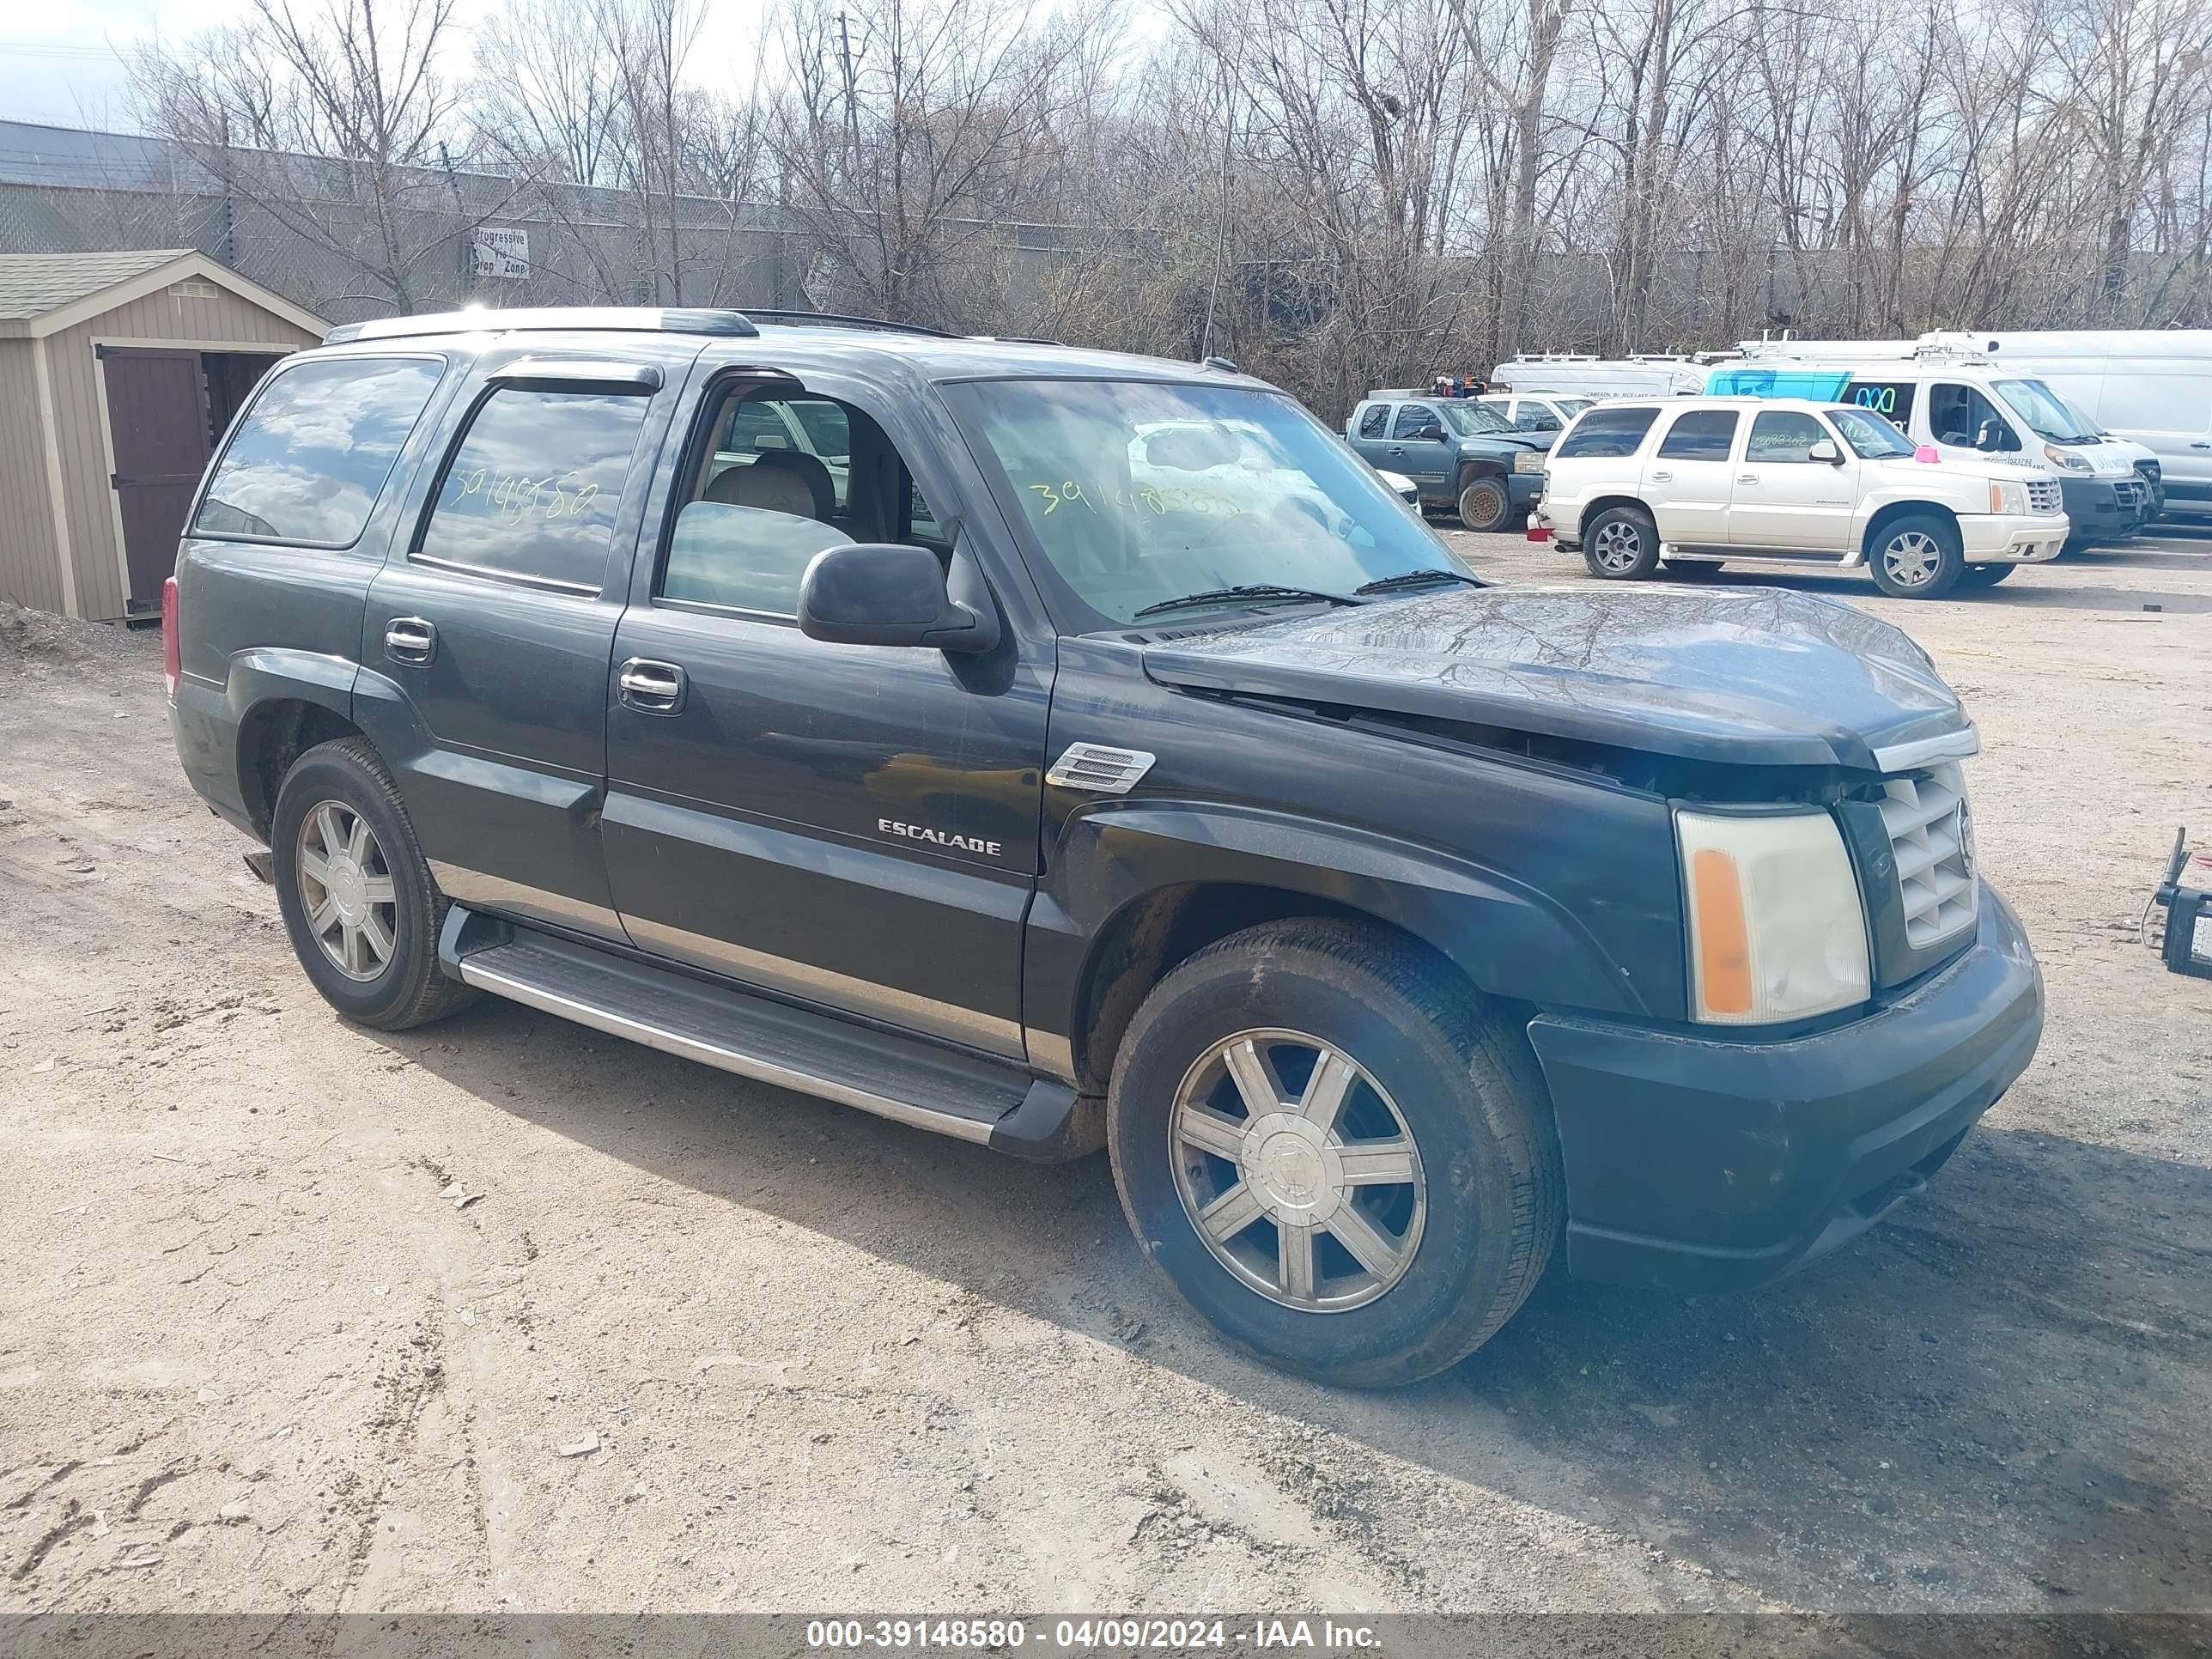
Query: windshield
point(2049, 414)
point(1134, 493)
point(1870, 435)
point(1571, 407)
point(1474, 420)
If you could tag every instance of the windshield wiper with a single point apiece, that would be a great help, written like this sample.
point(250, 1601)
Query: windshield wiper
point(1414, 578)
point(1245, 591)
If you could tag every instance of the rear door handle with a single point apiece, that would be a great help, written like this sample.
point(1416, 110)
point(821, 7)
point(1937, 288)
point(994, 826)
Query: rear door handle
point(1662, 478)
point(649, 687)
point(2199, 443)
point(410, 640)
point(1747, 478)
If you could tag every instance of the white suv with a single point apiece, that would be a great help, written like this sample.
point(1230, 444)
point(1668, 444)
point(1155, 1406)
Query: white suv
point(1698, 480)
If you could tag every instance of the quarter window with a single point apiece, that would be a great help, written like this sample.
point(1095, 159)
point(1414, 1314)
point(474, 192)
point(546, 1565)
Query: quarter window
point(1373, 422)
point(1613, 431)
point(1783, 434)
point(314, 452)
point(1417, 421)
point(1700, 435)
point(534, 486)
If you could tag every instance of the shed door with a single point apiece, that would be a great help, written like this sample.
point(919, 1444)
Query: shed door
point(157, 414)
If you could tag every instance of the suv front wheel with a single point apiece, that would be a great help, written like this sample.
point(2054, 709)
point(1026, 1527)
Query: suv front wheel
point(356, 893)
point(1334, 1153)
point(1621, 544)
point(1918, 556)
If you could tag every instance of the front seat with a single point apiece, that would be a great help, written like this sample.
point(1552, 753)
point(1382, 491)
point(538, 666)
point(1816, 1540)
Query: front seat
point(778, 480)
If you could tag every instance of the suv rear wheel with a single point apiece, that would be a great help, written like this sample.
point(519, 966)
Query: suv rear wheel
point(355, 894)
point(1621, 544)
point(1333, 1152)
point(1486, 504)
point(1916, 557)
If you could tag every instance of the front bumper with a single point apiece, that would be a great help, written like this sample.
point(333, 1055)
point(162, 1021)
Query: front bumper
point(2013, 538)
point(1522, 488)
point(1703, 1164)
point(2103, 509)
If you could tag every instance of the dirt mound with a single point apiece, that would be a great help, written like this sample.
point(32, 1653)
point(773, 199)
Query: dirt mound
point(36, 636)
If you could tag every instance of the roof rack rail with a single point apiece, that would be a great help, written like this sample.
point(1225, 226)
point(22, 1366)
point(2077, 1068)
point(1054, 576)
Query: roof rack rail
point(838, 320)
point(478, 319)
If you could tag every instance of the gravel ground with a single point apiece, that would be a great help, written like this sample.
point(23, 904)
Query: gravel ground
point(501, 1314)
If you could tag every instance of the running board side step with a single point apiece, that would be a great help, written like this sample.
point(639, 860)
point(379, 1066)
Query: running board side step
point(907, 1079)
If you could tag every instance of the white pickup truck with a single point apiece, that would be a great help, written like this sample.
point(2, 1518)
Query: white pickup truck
point(1695, 481)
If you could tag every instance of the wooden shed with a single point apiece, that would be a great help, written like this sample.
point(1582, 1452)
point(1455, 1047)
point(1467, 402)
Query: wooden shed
point(119, 374)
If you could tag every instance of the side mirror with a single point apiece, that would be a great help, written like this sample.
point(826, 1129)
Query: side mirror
point(1824, 449)
point(885, 594)
point(1991, 435)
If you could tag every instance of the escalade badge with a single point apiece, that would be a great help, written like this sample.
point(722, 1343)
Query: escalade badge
point(989, 849)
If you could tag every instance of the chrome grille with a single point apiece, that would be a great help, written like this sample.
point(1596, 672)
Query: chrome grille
point(2043, 495)
point(1932, 837)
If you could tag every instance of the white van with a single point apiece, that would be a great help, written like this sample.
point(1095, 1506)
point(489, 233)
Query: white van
point(2151, 385)
point(1579, 375)
point(1956, 403)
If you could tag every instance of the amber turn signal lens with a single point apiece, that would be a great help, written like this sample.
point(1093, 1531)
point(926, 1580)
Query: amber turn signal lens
point(1724, 941)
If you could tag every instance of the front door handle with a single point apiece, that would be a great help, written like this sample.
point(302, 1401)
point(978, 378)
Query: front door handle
point(2199, 443)
point(410, 640)
point(1397, 449)
point(649, 687)
point(1747, 478)
point(1662, 478)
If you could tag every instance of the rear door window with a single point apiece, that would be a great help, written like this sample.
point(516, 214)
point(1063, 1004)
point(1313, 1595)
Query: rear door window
point(313, 453)
point(533, 487)
point(1372, 422)
point(1700, 435)
point(1613, 431)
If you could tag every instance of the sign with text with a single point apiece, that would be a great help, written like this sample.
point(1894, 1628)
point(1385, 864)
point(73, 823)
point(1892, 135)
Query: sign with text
point(502, 255)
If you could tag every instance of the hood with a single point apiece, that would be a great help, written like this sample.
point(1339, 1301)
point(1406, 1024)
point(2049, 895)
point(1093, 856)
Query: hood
point(1736, 675)
point(1505, 443)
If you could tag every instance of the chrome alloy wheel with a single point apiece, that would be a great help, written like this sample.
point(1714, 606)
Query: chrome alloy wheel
point(346, 891)
point(1912, 559)
point(1616, 546)
point(1298, 1171)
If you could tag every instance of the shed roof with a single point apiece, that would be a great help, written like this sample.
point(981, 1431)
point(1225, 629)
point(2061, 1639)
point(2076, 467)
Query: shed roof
point(33, 284)
point(42, 294)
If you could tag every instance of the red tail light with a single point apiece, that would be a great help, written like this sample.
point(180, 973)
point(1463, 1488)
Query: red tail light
point(172, 656)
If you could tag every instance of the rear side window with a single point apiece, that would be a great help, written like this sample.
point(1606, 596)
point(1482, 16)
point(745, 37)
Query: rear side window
point(314, 452)
point(1891, 400)
point(1700, 435)
point(1783, 434)
point(534, 485)
point(1535, 417)
point(1606, 432)
point(1371, 423)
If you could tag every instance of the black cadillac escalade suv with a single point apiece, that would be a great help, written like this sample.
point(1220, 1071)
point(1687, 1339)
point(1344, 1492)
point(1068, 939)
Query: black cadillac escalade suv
point(1059, 750)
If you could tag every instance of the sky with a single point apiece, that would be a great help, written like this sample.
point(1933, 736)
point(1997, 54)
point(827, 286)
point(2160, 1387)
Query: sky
point(61, 62)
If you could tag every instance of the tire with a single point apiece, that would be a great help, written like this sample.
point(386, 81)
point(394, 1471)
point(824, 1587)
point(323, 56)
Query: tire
point(1916, 541)
point(1486, 503)
point(1984, 575)
point(1472, 1230)
point(329, 790)
point(1621, 544)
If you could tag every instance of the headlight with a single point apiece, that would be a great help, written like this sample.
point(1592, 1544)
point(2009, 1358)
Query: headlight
point(1776, 928)
point(1529, 460)
point(2065, 460)
point(2008, 497)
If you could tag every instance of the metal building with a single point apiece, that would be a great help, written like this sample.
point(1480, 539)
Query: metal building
point(119, 374)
